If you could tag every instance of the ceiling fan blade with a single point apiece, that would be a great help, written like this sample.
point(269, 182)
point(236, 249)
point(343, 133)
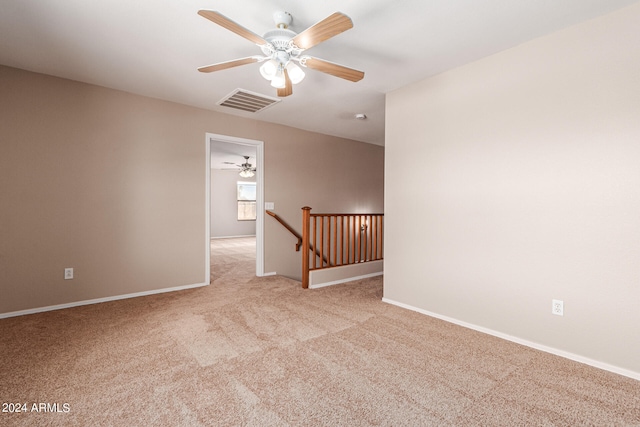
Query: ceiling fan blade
point(323, 30)
point(229, 64)
point(288, 86)
point(332, 68)
point(223, 21)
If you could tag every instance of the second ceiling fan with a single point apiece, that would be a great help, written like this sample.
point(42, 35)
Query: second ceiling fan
point(282, 49)
point(246, 169)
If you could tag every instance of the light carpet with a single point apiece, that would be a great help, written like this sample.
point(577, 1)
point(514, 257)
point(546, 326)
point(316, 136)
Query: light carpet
point(250, 351)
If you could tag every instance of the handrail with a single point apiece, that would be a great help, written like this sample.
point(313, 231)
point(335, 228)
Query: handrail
point(343, 239)
point(288, 227)
point(296, 234)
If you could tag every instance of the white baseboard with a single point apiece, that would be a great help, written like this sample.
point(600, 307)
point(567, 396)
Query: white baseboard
point(273, 273)
point(348, 279)
point(557, 352)
point(98, 300)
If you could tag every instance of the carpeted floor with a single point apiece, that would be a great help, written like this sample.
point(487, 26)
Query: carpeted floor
point(263, 352)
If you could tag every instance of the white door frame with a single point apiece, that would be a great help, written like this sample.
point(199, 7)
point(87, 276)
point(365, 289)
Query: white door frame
point(259, 146)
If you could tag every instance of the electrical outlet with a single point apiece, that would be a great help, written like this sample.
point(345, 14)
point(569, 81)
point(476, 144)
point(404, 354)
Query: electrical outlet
point(68, 273)
point(557, 307)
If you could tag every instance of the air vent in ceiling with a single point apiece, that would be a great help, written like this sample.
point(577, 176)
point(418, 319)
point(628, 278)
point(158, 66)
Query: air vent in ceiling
point(245, 100)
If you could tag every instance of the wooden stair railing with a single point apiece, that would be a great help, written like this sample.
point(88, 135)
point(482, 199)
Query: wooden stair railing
point(288, 227)
point(295, 233)
point(339, 239)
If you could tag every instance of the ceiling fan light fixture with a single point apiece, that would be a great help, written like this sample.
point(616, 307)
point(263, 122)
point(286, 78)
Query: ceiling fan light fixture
point(295, 73)
point(269, 69)
point(278, 80)
point(246, 173)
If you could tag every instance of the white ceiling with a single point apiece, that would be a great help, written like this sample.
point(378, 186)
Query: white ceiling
point(223, 153)
point(153, 48)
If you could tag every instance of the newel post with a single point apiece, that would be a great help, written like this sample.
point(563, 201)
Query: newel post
point(306, 222)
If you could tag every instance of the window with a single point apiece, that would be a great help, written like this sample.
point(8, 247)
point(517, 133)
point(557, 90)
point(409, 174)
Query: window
point(246, 201)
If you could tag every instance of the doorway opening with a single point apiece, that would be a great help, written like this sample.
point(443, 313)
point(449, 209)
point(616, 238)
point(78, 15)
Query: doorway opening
point(238, 147)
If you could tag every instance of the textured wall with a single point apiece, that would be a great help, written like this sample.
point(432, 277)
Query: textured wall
point(528, 189)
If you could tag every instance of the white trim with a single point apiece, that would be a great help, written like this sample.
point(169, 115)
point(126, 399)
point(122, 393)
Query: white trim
point(98, 300)
point(260, 212)
point(207, 210)
point(272, 273)
point(347, 279)
point(259, 146)
point(546, 349)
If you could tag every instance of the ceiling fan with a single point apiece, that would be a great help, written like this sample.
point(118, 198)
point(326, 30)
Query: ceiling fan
point(246, 169)
point(282, 49)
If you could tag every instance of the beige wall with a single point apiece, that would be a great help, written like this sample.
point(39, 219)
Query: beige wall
point(527, 190)
point(224, 205)
point(113, 185)
point(327, 174)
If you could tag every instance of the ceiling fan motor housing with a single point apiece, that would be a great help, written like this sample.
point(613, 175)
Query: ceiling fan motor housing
point(279, 39)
